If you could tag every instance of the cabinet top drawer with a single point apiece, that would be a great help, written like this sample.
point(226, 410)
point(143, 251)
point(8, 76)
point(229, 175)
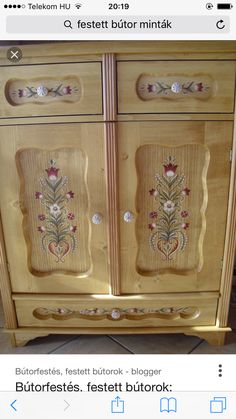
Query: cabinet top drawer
point(176, 87)
point(48, 90)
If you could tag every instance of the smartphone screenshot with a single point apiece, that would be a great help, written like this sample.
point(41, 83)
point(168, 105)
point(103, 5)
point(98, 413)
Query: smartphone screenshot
point(117, 209)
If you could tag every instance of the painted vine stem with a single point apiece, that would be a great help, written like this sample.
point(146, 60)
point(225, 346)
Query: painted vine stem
point(58, 234)
point(63, 313)
point(169, 220)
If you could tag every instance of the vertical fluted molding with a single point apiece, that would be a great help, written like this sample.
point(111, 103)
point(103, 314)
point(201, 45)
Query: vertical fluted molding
point(109, 103)
point(8, 305)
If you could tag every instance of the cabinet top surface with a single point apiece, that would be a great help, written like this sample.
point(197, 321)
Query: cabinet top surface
point(71, 51)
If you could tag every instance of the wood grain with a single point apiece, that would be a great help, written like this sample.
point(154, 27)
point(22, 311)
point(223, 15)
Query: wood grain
point(221, 98)
point(217, 137)
point(5, 286)
point(88, 76)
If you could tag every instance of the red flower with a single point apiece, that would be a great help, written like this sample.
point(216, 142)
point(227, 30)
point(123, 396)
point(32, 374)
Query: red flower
point(70, 216)
point(186, 191)
point(153, 192)
point(153, 214)
point(73, 229)
point(199, 87)
point(22, 93)
point(152, 226)
point(152, 88)
point(38, 195)
point(67, 90)
point(184, 214)
point(69, 195)
point(41, 217)
point(170, 169)
point(185, 225)
point(52, 173)
point(41, 229)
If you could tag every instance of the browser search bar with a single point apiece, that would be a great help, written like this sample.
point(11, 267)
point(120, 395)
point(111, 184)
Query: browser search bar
point(117, 24)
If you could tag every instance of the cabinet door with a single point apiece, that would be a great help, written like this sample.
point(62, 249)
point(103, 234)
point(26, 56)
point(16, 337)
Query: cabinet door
point(174, 183)
point(53, 207)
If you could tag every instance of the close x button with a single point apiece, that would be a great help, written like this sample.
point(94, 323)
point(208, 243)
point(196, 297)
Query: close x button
point(14, 54)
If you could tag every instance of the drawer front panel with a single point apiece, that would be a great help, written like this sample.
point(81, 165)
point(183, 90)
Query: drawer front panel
point(48, 90)
point(174, 87)
point(169, 310)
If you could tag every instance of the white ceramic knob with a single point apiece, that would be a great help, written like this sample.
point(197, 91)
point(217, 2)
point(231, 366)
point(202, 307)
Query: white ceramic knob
point(42, 91)
point(176, 87)
point(115, 314)
point(128, 217)
point(97, 218)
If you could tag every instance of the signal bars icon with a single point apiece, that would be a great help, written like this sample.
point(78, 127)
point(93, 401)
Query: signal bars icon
point(78, 5)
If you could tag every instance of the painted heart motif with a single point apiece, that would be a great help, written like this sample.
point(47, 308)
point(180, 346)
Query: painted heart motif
point(59, 250)
point(168, 248)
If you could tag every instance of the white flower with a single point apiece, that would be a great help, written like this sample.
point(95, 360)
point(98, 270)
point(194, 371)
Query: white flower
point(55, 209)
point(169, 206)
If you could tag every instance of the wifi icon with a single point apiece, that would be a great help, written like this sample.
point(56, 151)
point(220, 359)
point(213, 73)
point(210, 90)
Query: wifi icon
point(78, 5)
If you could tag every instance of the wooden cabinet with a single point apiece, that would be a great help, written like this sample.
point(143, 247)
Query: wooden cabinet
point(117, 180)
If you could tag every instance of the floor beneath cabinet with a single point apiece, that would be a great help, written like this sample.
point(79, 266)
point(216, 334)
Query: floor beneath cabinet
point(120, 344)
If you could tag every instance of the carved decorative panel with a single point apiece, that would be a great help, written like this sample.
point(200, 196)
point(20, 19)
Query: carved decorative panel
point(132, 313)
point(171, 202)
point(176, 87)
point(43, 90)
point(54, 199)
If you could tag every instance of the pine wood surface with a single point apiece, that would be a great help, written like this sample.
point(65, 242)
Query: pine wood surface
point(113, 160)
point(217, 138)
point(70, 145)
point(84, 79)
point(218, 98)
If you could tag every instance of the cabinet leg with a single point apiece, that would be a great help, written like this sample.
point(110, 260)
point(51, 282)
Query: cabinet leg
point(21, 339)
point(213, 338)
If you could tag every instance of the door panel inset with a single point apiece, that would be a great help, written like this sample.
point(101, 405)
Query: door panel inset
point(170, 223)
point(56, 223)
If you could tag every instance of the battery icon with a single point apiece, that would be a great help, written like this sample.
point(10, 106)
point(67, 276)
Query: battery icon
point(224, 6)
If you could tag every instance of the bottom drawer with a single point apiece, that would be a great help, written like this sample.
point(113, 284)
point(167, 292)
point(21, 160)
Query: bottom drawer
point(101, 311)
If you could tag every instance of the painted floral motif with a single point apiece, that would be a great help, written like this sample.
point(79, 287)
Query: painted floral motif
point(58, 237)
point(160, 88)
point(168, 232)
point(33, 92)
point(130, 313)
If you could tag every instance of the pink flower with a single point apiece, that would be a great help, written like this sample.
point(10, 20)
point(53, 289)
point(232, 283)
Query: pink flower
point(153, 192)
point(153, 214)
point(73, 229)
point(52, 173)
point(70, 216)
point(186, 191)
point(67, 90)
point(185, 225)
point(41, 217)
point(38, 195)
point(70, 195)
point(22, 93)
point(199, 87)
point(170, 169)
point(41, 229)
point(184, 214)
point(152, 88)
point(152, 226)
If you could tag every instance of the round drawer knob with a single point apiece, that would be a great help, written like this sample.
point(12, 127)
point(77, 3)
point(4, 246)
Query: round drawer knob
point(116, 314)
point(176, 87)
point(97, 218)
point(128, 217)
point(42, 91)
